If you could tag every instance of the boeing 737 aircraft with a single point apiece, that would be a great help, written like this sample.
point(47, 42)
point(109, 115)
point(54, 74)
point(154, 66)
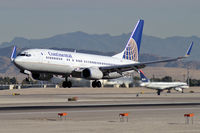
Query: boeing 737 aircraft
point(160, 86)
point(43, 64)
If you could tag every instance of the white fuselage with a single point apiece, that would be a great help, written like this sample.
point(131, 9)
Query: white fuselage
point(62, 62)
point(164, 85)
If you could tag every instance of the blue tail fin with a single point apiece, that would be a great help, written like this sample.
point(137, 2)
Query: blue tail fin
point(132, 49)
point(189, 50)
point(143, 77)
point(13, 56)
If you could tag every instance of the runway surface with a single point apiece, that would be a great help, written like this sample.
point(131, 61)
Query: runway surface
point(36, 110)
point(44, 107)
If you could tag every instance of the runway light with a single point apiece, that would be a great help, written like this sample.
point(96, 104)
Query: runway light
point(61, 115)
point(187, 117)
point(15, 94)
point(73, 99)
point(122, 116)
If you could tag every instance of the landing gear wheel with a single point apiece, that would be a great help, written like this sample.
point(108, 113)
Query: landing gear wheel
point(96, 84)
point(27, 80)
point(67, 84)
point(158, 92)
point(64, 84)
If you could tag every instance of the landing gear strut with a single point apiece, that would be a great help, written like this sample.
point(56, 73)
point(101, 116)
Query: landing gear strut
point(96, 84)
point(67, 83)
point(158, 92)
point(27, 79)
point(168, 91)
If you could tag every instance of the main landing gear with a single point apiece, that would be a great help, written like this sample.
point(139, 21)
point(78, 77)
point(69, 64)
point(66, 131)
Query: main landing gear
point(66, 83)
point(27, 79)
point(96, 84)
point(158, 92)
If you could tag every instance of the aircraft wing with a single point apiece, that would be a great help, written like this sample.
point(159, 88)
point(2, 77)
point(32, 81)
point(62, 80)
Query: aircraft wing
point(135, 66)
point(139, 65)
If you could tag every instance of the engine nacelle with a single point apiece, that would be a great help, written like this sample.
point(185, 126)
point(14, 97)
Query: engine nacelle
point(178, 89)
point(92, 73)
point(42, 76)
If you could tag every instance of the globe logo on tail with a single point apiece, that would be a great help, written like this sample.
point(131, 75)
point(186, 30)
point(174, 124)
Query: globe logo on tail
point(131, 50)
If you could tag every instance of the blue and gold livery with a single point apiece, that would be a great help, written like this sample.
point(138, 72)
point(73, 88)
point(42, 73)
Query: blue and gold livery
point(132, 48)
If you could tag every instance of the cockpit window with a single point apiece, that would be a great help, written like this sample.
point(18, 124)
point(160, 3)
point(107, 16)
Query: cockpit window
point(24, 54)
point(21, 55)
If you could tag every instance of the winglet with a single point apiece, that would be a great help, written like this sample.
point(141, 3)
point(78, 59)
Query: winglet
point(189, 50)
point(14, 54)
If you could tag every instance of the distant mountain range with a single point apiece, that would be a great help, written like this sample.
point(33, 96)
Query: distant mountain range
point(164, 47)
point(152, 48)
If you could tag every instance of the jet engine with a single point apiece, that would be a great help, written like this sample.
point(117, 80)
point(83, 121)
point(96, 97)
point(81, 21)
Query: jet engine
point(42, 76)
point(92, 73)
point(178, 89)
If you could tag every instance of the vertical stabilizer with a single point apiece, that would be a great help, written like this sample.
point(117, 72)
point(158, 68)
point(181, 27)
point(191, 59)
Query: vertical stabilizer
point(143, 77)
point(132, 49)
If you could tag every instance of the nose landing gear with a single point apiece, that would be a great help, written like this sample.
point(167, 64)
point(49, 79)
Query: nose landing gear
point(158, 92)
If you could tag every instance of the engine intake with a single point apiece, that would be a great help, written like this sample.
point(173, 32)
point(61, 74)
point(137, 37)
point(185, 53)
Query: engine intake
point(92, 73)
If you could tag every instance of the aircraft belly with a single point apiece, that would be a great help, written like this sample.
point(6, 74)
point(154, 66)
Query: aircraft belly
point(153, 86)
point(44, 67)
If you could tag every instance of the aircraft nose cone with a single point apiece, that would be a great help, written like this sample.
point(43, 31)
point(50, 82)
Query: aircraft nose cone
point(17, 61)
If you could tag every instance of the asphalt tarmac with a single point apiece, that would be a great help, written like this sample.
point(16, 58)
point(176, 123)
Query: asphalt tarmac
point(97, 110)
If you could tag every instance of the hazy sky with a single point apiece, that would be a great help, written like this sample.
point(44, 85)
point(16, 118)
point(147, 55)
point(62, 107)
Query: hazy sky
point(44, 18)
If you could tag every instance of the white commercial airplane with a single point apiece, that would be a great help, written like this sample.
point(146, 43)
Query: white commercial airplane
point(43, 64)
point(160, 86)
